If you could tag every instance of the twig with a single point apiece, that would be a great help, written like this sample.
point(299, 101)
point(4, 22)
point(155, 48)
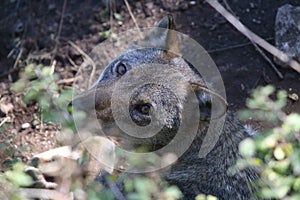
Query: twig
point(257, 48)
point(13, 51)
point(111, 16)
point(60, 26)
point(255, 84)
point(133, 18)
point(43, 194)
point(68, 80)
point(253, 37)
point(3, 121)
point(268, 60)
point(18, 58)
point(228, 7)
point(71, 61)
point(233, 46)
point(88, 58)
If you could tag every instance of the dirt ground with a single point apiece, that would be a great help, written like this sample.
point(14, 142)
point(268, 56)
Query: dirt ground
point(28, 30)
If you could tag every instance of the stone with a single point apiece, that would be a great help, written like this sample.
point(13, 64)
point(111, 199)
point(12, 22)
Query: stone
point(287, 31)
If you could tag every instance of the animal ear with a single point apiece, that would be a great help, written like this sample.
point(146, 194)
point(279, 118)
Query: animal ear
point(166, 22)
point(206, 100)
point(162, 36)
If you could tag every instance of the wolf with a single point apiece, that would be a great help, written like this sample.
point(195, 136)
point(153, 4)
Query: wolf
point(163, 106)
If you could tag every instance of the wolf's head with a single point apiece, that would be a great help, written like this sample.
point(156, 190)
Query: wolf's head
point(146, 89)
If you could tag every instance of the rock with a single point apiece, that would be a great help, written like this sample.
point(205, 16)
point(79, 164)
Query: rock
point(25, 125)
point(6, 107)
point(287, 31)
point(294, 97)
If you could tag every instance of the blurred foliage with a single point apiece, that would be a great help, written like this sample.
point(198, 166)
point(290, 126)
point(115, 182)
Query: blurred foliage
point(146, 188)
point(276, 151)
point(39, 85)
point(109, 35)
point(104, 16)
point(11, 180)
point(17, 175)
point(134, 187)
point(205, 197)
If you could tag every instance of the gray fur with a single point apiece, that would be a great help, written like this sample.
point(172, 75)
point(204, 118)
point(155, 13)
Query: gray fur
point(193, 175)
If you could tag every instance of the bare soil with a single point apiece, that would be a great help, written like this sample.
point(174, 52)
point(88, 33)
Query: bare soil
point(30, 27)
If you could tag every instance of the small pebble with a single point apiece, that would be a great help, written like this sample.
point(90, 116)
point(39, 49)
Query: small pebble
point(192, 3)
point(294, 97)
point(25, 125)
point(242, 86)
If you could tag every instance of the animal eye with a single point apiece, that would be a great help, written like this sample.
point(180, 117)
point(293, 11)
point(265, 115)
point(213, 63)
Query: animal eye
point(121, 69)
point(145, 108)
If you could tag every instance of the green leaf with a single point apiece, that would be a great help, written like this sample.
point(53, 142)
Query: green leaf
point(142, 186)
point(128, 185)
point(172, 192)
point(3, 145)
point(284, 188)
point(282, 166)
point(106, 34)
point(44, 101)
point(279, 154)
point(31, 95)
point(267, 193)
point(293, 197)
point(281, 99)
point(64, 98)
point(295, 160)
point(205, 197)
point(269, 142)
point(296, 185)
point(29, 71)
point(19, 86)
point(247, 147)
point(46, 71)
point(18, 177)
point(292, 123)
point(118, 16)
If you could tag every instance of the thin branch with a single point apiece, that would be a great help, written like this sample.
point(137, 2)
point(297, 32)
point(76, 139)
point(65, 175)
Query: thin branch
point(111, 16)
point(66, 81)
point(60, 26)
point(227, 6)
point(133, 18)
point(268, 60)
point(258, 49)
point(31, 193)
point(233, 46)
point(3, 121)
point(89, 60)
point(253, 37)
point(18, 58)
